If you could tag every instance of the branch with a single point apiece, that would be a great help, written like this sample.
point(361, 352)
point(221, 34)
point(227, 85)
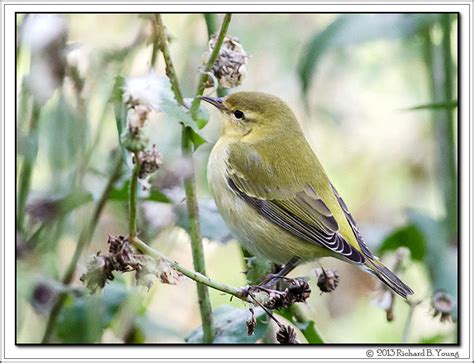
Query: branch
point(193, 275)
point(83, 240)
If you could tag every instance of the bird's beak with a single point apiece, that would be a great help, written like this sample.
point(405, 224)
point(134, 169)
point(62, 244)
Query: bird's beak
point(218, 102)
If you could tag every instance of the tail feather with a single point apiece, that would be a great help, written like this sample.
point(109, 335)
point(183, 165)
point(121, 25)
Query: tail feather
point(389, 278)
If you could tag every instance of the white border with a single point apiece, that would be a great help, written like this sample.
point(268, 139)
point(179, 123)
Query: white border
point(10, 352)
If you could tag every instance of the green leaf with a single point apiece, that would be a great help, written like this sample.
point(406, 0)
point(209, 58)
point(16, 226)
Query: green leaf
point(257, 269)
point(121, 194)
point(212, 223)
point(310, 333)
point(231, 326)
point(177, 113)
point(408, 236)
point(84, 318)
point(63, 134)
point(441, 257)
point(448, 105)
point(434, 339)
point(308, 328)
point(350, 30)
point(74, 201)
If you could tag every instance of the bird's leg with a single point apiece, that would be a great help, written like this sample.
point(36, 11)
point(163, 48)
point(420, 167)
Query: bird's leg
point(271, 279)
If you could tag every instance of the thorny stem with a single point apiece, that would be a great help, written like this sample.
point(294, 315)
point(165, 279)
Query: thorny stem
point(132, 206)
point(154, 51)
point(24, 179)
point(82, 242)
point(191, 200)
point(193, 275)
point(207, 68)
point(163, 45)
point(196, 241)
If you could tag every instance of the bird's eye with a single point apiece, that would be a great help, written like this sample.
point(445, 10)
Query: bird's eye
point(238, 114)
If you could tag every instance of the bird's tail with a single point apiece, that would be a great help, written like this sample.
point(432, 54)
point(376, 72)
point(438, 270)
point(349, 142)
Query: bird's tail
point(388, 277)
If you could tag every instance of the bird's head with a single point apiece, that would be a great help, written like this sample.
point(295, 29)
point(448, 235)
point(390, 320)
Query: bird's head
point(254, 115)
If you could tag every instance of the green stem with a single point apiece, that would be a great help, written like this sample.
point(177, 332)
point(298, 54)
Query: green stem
point(82, 242)
point(439, 66)
point(193, 275)
point(450, 176)
point(31, 151)
point(154, 51)
point(132, 205)
point(212, 58)
point(191, 200)
point(196, 242)
point(408, 322)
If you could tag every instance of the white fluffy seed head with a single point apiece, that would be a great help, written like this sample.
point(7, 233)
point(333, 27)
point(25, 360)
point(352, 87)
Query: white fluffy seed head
point(41, 30)
point(147, 90)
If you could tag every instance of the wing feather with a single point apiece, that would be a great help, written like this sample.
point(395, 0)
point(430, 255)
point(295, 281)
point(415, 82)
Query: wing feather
point(299, 217)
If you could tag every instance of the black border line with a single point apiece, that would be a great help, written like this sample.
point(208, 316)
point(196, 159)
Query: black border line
point(286, 12)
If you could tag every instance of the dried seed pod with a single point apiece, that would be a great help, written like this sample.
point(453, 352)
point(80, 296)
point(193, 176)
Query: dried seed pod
point(298, 290)
point(150, 161)
point(286, 335)
point(43, 297)
point(251, 323)
point(327, 279)
point(276, 300)
point(442, 305)
point(230, 67)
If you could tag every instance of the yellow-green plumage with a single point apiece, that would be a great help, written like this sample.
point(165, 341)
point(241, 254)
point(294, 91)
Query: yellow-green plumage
point(273, 192)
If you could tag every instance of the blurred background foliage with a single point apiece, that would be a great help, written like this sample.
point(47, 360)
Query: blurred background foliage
point(376, 96)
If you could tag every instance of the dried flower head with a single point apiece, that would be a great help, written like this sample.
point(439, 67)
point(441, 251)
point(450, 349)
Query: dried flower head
point(123, 257)
point(230, 67)
point(45, 35)
point(297, 290)
point(44, 296)
point(43, 209)
point(385, 301)
point(150, 161)
point(251, 323)
point(442, 305)
point(327, 279)
point(286, 335)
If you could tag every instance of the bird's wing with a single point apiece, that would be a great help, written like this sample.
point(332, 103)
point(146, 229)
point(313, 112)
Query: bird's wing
point(298, 207)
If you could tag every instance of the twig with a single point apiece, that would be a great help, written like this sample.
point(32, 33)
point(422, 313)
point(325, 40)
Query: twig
point(132, 205)
point(83, 240)
point(193, 275)
point(212, 58)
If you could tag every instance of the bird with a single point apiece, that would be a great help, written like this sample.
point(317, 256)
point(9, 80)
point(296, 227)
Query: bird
point(274, 194)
